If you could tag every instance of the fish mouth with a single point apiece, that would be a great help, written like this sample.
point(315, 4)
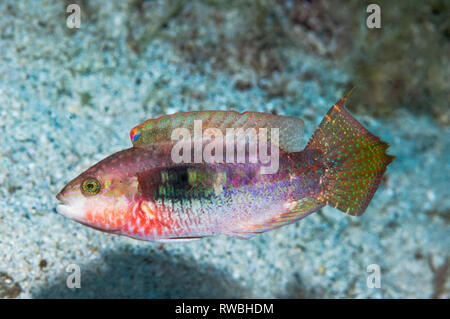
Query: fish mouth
point(62, 204)
point(62, 208)
point(67, 208)
point(61, 199)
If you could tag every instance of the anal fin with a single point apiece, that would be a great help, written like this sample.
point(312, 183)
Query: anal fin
point(295, 211)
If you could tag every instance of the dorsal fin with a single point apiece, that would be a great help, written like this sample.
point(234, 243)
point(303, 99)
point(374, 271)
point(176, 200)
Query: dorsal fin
point(160, 129)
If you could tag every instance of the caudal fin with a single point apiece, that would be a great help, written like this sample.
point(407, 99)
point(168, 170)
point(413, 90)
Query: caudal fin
point(355, 159)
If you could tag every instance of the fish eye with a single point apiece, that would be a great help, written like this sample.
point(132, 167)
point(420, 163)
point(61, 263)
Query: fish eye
point(90, 186)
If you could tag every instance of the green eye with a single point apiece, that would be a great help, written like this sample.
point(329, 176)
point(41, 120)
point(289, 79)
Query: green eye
point(90, 186)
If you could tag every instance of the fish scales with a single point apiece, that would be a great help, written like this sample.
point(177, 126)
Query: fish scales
point(143, 193)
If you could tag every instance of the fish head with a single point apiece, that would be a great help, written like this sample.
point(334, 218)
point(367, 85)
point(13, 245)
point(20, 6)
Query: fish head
point(103, 196)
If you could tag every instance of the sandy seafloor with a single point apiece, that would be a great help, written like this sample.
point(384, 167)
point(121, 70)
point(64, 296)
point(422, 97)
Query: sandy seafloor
point(66, 102)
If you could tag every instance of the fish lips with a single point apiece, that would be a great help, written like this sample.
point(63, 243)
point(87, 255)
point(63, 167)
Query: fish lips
point(63, 205)
point(69, 209)
point(61, 199)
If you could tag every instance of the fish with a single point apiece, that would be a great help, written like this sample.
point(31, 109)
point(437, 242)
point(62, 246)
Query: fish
point(144, 193)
